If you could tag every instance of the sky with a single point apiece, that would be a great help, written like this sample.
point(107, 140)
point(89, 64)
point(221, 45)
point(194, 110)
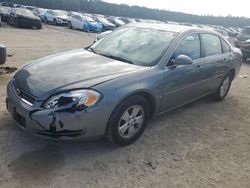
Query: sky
point(199, 7)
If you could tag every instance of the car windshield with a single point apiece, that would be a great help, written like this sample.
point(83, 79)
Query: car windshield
point(246, 31)
point(24, 12)
point(136, 45)
point(4, 9)
point(89, 19)
point(59, 13)
point(103, 20)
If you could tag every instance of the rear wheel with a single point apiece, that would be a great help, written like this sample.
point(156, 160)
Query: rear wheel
point(39, 26)
point(224, 88)
point(128, 121)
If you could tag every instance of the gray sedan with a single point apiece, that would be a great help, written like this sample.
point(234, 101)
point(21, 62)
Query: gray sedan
point(114, 87)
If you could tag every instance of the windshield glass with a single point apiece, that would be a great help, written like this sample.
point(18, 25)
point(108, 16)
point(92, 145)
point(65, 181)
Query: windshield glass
point(89, 19)
point(4, 9)
point(246, 31)
point(59, 13)
point(140, 46)
point(24, 12)
point(103, 20)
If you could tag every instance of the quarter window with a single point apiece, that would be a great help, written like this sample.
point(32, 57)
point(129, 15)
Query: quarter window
point(212, 44)
point(190, 46)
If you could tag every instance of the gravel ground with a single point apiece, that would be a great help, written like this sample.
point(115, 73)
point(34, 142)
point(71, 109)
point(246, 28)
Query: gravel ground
point(204, 144)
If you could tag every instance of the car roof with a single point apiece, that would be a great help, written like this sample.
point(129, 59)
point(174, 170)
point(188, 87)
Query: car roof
point(171, 27)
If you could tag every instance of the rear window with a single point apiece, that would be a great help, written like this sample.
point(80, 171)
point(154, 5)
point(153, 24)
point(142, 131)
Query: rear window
point(246, 30)
point(212, 44)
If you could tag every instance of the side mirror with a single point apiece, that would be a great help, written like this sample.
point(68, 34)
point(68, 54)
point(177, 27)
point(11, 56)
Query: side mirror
point(183, 60)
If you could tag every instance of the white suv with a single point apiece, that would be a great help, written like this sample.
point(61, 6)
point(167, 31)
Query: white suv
point(57, 17)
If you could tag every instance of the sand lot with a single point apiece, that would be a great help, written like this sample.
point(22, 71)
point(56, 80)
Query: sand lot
point(204, 144)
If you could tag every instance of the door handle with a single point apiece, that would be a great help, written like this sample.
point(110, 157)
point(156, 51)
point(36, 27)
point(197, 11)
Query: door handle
point(199, 66)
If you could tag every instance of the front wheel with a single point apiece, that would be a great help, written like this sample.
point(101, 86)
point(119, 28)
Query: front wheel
point(69, 25)
point(224, 88)
point(244, 57)
point(128, 121)
point(54, 22)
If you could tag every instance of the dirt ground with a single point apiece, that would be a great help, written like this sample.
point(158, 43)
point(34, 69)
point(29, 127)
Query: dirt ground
point(204, 144)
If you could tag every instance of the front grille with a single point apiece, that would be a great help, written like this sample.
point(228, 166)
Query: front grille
point(26, 97)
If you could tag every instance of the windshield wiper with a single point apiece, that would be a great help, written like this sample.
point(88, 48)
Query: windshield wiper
point(118, 58)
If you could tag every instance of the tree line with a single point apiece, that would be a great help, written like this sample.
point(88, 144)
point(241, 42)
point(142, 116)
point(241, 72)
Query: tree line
point(101, 7)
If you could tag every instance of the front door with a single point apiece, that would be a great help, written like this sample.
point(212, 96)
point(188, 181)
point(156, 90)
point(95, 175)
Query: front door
point(183, 83)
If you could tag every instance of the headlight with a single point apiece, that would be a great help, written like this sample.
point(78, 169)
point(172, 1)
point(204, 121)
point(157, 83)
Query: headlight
point(76, 98)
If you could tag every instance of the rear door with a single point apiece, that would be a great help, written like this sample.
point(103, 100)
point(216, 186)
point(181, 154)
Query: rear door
point(214, 63)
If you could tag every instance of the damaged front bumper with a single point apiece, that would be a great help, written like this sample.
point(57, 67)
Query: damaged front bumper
point(57, 125)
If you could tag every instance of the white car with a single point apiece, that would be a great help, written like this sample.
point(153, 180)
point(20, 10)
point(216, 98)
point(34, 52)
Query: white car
point(57, 17)
point(76, 21)
point(85, 23)
point(40, 13)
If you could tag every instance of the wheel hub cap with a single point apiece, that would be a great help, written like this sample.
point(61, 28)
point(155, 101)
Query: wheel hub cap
point(131, 121)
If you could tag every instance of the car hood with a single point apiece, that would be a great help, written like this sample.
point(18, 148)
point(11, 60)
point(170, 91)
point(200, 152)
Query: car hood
point(62, 17)
point(70, 70)
point(29, 17)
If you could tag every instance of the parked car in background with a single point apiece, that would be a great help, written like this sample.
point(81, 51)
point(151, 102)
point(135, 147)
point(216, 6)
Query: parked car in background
point(56, 17)
point(114, 87)
point(116, 21)
point(40, 13)
point(19, 6)
point(31, 8)
point(85, 23)
point(242, 36)
point(224, 33)
point(4, 13)
point(20, 17)
point(106, 25)
point(127, 20)
point(245, 48)
point(7, 4)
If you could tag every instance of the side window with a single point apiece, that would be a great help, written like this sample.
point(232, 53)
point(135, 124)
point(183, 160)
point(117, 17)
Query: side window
point(226, 47)
point(212, 44)
point(189, 46)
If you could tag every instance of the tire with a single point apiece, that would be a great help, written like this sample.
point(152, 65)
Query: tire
point(39, 26)
point(46, 20)
point(2, 54)
point(54, 22)
point(69, 25)
point(18, 23)
point(224, 88)
point(244, 57)
point(123, 132)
